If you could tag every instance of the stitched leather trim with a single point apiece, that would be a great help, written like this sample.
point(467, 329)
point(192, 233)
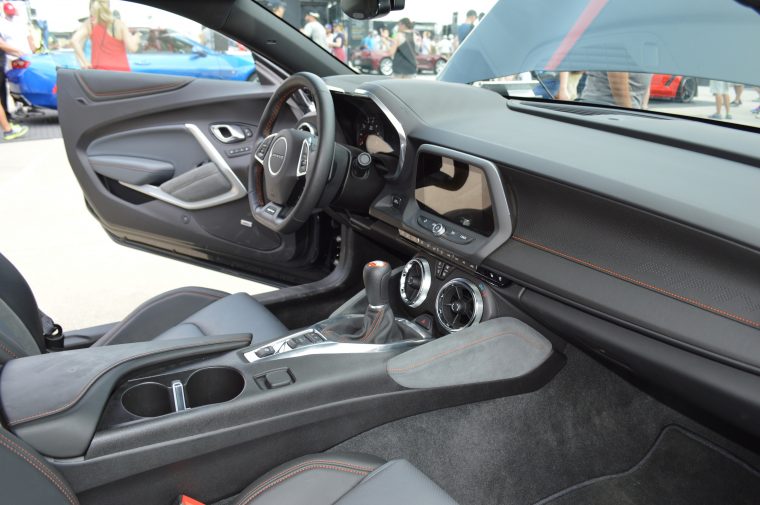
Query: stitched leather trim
point(642, 284)
point(128, 93)
point(8, 351)
point(102, 372)
point(455, 350)
point(39, 466)
point(113, 333)
point(305, 466)
point(375, 325)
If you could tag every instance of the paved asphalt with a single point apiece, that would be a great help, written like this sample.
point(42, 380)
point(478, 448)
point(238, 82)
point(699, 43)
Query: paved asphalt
point(79, 276)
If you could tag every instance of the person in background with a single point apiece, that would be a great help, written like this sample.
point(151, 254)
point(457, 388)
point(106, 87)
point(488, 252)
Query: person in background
point(466, 28)
point(426, 44)
point(624, 89)
point(445, 46)
point(278, 9)
point(11, 131)
point(110, 39)
point(370, 41)
point(383, 43)
point(720, 90)
point(738, 89)
point(314, 30)
point(15, 41)
point(402, 50)
point(337, 43)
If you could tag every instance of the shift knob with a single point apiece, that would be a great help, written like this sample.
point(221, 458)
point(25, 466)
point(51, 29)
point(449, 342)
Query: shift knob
point(377, 278)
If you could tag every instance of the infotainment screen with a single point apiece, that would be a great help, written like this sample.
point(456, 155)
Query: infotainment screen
point(455, 191)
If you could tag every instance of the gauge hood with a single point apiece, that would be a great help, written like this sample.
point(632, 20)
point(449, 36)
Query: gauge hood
point(716, 39)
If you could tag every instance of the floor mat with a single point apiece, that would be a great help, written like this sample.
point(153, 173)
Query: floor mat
point(680, 469)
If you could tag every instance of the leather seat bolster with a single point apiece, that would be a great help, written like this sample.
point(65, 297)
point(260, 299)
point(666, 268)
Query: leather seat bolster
point(159, 314)
point(231, 314)
point(27, 478)
point(316, 480)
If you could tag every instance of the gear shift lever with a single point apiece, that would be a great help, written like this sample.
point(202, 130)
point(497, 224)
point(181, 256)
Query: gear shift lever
point(377, 278)
point(378, 326)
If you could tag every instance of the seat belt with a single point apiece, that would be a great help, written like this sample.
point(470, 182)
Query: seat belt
point(52, 332)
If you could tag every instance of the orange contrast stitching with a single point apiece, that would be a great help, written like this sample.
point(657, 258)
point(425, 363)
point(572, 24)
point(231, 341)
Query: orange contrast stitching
point(643, 284)
point(295, 470)
point(8, 351)
point(29, 458)
point(457, 349)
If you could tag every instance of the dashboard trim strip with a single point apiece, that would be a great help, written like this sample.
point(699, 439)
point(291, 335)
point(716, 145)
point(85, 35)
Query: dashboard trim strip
point(652, 287)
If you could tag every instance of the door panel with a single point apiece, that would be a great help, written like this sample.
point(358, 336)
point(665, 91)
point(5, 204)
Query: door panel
point(157, 177)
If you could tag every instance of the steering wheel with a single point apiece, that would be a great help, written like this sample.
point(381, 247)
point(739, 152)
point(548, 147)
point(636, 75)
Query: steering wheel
point(291, 167)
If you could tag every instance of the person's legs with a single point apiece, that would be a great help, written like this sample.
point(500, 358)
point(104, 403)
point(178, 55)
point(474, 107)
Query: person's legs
point(718, 103)
point(11, 132)
point(3, 90)
point(738, 89)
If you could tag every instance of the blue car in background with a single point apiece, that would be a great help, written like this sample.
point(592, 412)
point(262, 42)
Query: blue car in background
point(32, 79)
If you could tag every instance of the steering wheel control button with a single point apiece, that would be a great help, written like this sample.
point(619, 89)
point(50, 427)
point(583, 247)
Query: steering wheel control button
point(265, 351)
point(438, 229)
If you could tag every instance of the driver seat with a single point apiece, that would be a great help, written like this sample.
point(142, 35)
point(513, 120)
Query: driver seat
point(180, 313)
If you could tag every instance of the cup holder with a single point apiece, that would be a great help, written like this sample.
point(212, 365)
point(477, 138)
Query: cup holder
point(149, 399)
point(213, 385)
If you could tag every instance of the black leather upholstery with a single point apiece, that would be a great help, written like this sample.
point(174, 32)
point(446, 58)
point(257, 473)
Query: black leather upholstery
point(344, 479)
point(16, 294)
point(324, 479)
point(180, 313)
point(27, 478)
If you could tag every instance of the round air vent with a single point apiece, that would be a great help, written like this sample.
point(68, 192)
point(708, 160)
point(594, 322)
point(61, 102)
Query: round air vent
point(415, 282)
point(307, 127)
point(459, 305)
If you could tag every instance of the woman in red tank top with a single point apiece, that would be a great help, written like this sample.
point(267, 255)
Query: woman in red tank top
point(110, 39)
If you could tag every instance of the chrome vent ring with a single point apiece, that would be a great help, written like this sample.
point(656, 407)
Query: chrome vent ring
point(415, 282)
point(459, 305)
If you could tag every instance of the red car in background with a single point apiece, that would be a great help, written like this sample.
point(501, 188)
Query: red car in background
point(382, 62)
point(673, 87)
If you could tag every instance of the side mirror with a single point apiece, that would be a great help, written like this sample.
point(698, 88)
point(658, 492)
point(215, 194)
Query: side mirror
point(370, 9)
point(199, 52)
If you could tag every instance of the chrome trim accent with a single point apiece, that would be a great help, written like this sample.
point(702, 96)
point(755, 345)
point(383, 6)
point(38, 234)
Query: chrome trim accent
point(396, 124)
point(282, 350)
point(336, 89)
point(271, 152)
point(305, 148)
point(237, 190)
point(477, 297)
point(307, 127)
point(178, 396)
point(427, 280)
point(236, 132)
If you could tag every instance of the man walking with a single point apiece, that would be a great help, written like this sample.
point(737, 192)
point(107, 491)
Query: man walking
point(314, 30)
point(15, 40)
point(466, 28)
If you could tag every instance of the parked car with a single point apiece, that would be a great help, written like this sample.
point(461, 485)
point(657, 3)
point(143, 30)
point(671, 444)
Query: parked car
point(32, 78)
point(382, 62)
point(673, 87)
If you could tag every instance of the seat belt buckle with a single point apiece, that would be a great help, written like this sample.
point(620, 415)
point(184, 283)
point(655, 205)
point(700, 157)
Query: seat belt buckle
point(186, 500)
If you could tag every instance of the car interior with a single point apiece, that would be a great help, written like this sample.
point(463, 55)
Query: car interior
point(482, 300)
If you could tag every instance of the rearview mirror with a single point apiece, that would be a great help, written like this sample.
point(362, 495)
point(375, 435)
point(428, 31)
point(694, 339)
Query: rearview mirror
point(369, 9)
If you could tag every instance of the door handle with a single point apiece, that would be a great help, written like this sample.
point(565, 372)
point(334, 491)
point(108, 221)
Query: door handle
point(228, 133)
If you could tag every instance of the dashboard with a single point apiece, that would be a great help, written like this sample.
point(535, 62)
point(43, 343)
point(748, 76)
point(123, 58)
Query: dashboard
point(580, 218)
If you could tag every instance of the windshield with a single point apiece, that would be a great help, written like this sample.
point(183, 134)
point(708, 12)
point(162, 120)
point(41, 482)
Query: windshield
point(686, 57)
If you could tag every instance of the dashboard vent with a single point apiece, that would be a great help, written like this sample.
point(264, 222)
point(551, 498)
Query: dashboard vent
point(415, 282)
point(459, 305)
